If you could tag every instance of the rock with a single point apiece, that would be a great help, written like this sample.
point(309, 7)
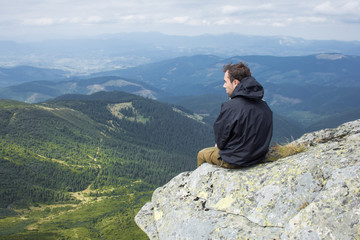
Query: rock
point(311, 195)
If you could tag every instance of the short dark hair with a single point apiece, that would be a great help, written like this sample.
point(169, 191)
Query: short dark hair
point(237, 71)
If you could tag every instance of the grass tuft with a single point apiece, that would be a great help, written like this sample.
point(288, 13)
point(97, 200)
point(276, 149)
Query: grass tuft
point(281, 151)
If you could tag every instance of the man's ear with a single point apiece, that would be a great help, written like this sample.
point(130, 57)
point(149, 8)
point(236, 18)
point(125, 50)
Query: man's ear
point(236, 82)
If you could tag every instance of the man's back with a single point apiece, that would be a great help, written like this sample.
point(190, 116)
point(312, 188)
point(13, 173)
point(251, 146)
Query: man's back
point(243, 129)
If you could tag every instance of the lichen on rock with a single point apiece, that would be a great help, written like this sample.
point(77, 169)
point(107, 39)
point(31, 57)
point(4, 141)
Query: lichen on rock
point(310, 195)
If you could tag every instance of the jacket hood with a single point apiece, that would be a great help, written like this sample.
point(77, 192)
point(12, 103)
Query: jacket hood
point(249, 88)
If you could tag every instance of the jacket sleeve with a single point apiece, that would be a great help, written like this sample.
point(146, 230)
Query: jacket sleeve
point(222, 127)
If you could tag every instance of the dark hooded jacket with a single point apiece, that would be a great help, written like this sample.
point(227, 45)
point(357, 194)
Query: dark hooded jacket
point(243, 130)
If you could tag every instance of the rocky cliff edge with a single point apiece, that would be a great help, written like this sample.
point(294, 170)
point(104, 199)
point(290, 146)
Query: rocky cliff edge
point(311, 195)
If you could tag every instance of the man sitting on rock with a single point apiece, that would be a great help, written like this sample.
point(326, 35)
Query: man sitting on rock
point(243, 129)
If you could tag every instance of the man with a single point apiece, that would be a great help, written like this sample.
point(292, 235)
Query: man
point(243, 129)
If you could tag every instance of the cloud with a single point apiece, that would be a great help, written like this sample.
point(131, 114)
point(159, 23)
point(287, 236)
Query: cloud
point(39, 22)
point(228, 21)
point(45, 21)
point(235, 9)
point(310, 19)
point(340, 12)
point(179, 16)
point(338, 8)
point(179, 20)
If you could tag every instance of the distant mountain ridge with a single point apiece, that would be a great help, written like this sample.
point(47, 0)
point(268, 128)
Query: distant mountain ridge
point(38, 91)
point(109, 52)
point(16, 75)
point(309, 92)
point(304, 89)
point(201, 74)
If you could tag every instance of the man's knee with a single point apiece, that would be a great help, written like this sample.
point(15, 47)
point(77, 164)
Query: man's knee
point(207, 155)
point(200, 157)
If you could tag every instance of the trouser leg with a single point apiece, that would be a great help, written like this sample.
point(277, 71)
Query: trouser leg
point(211, 155)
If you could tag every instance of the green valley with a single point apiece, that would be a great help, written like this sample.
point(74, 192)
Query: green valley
point(81, 166)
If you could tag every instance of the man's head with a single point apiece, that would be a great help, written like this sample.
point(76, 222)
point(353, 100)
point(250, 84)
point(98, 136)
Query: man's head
point(233, 76)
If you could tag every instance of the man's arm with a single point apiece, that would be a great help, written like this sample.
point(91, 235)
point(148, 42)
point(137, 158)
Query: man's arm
point(222, 127)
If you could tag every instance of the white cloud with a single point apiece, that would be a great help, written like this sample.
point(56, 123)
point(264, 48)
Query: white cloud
point(338, 8)
point(310, 19)
point(46, 21)
point(39, 22)
point(278, 24)
point(93, 19)
point(306, 17)
point(179, 19)
point(232, 9)
point(228, 21)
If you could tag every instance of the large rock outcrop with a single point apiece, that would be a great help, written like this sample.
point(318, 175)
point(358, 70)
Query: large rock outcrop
point(311, 195)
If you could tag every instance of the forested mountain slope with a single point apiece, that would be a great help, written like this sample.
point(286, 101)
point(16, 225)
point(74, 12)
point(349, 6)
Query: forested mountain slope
point(15, 75)
point(102, 146)
point(38, 91)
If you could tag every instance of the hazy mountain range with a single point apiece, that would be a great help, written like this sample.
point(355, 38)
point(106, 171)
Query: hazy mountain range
point(306, 92)
point(309, 92)
point(108, 52)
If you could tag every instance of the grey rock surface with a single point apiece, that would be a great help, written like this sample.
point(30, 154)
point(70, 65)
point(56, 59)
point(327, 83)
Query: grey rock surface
point(311, 195)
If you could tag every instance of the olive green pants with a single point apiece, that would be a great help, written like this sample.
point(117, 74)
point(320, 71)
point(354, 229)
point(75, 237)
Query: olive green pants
point(211, 155)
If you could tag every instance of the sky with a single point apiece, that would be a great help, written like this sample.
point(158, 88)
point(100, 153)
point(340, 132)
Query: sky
point(29, 20)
